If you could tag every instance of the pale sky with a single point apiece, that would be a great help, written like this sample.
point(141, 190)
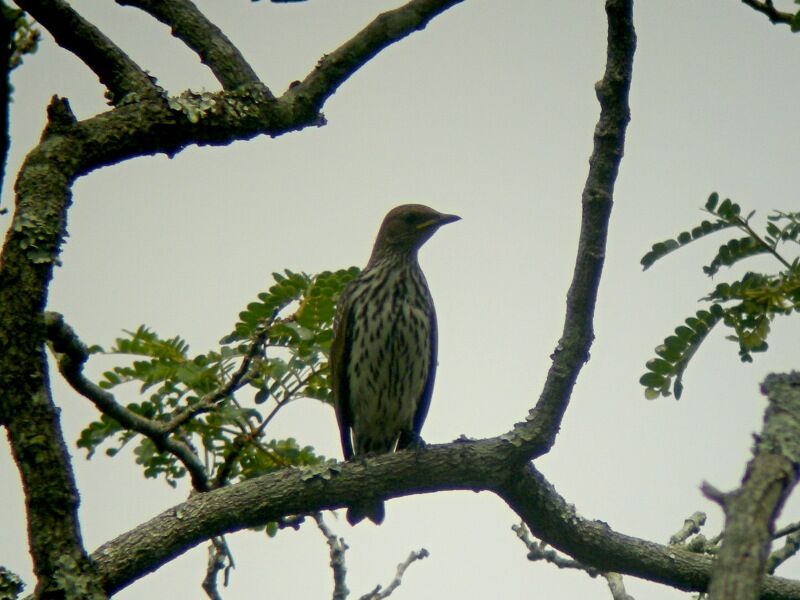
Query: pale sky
point(488, 113)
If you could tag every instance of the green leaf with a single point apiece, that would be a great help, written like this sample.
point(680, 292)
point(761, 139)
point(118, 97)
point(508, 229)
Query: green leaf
point(712, 201)
point(795, 24)
point(675, 354)
point(734, 251)
point(659, 366)
point(652, 380)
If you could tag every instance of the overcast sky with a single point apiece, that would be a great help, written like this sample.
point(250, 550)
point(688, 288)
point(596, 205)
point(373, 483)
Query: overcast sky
point(489, 114)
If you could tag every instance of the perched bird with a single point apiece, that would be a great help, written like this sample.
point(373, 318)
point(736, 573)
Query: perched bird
point(383, 354)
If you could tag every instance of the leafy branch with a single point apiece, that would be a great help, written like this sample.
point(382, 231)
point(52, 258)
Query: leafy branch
point(278, 350)
point(747, 305)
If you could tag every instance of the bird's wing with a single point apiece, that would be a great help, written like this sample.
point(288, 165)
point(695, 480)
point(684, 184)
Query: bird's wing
point(425, 398)
point(340, 357)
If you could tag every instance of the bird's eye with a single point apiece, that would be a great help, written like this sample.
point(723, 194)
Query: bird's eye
point(412, 219)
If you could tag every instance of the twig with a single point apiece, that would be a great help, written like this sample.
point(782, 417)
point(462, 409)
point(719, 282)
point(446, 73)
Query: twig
point(790, 528)
point(691, 526)
point(775, 16)
point(745, 226)
point(380, 593)
point(219, 559)
point(115, 69)
point(9, 17)
point(617, 587)
point(539, 551)
point(790, 547)
point(239, 379)
point(201, 35)
point(72, 355)
point(337, 550)
point(225, 469)
point(389, 27)
point(281, 403)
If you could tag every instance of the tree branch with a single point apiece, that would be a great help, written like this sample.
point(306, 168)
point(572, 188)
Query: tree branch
point(8, 25)
point(240, 378)
point(539, 551)
point(381, 593)
point(478, 465)
point(144, 124)
point(389, 27)
point(201, 35)
point(116, 71)
point(72, 355)
point(337, 548)
point(750, 512)
point(790, 548)
point(219, 559)
point(26, 406)
point(553, 520)
point(691, 526)
point(775, 16)
point(537, 434)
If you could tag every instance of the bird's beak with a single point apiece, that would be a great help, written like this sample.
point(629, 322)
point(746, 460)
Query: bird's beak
point(438, 221)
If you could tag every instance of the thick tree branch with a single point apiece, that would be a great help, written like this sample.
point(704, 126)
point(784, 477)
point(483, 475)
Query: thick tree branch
point(212, 46)
point(26, 408)
point(478, 465)
point(72, 355)
point(151, 126)
point(553, 520)
point(113, 67)
point(750, 512)
point(537, 434)
point(774, 15)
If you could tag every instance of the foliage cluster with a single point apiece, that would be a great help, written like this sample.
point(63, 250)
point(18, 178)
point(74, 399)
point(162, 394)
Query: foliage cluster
point(278, 350)
point(747, 306)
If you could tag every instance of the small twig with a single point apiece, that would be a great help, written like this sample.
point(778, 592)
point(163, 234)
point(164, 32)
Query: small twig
point(617, 587)
point(337, 549)
point(276, 458)
point(239, 379)
point(219, 559)
point(691, 526)
point(714, 494)
point(539, 551)
point(774, 15)
point(745, 226)
point(790, 528)
point(380, 593)
point(790, 547)
point(225, 469)
point(71, 355)
point(281, 403)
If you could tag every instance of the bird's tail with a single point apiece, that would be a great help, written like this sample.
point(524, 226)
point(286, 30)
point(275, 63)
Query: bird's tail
point(374, 511)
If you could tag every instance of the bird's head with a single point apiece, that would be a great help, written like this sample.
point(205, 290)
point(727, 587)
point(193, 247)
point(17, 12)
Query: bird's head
point(405, 228)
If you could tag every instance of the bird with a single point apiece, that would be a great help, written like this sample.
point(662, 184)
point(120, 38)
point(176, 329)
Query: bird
point(383, 352)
